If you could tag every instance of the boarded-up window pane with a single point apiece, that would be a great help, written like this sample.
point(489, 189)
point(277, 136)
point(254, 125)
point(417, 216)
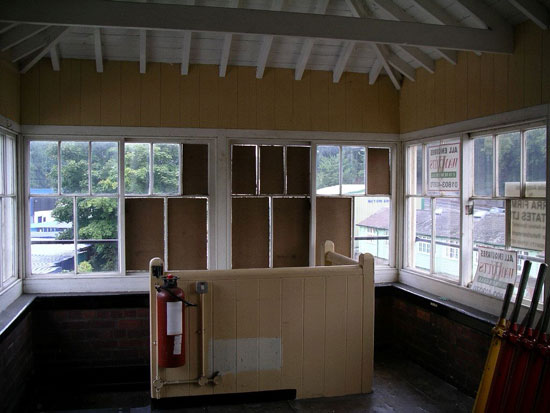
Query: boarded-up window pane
point(144, 232)
point(334, 224)
point(291, 232)
point(378, 171)
point(271, 170)
point(244, 169)
point(187, 234)
point(250, 233)
point(297, 160)
point(195, 169)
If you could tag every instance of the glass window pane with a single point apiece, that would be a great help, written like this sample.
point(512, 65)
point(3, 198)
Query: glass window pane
point(51, 229)
point(43, 167)
point(535, 145)
point(489, 227)
point(97, 218)
point(443, 168)
point(8, 241)
point(414, 174)
point(10, 166)
point(420, 233)
point(328, 170)
point(166, 168)
point(104, 167)
point(97, 257)
point(447, 238)
point(353, 170)
point(136, 168)
point(509, 164)
point(74, 167)
point(372, 228)
point(483, 166)
point(2, 188)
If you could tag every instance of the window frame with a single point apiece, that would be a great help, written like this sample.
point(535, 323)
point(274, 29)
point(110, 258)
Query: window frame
point(9, 172)
point(393, 225)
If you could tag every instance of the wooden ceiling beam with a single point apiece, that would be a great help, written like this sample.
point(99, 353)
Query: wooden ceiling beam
point(54, 56)
point(98, 51)
point(534, 11)
point(48, 39)
point(155, 16)
point(342, 61)
point(19, 34)
point(142, 51)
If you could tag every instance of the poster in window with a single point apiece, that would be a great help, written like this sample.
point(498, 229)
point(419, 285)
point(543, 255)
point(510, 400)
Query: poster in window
point(443, 167)
point(528, 224)
point(495, 269)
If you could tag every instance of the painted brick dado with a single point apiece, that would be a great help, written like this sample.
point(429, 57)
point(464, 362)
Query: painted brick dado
point(479, 86)
point(162, 97)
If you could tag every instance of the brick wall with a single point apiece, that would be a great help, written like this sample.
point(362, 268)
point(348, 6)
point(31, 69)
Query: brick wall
point(445, 341)
point(99, 342)
point(16, 365)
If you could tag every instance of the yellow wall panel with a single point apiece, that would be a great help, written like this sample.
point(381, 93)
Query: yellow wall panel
point(130, 94)
point(546, 67)
point(265, 115)
point(423, 97)
point(439, 92)
point(501, 83)
point(516, 64)
point(450, 92)
point(69, 84)
point(170, 95)
point(10, 91)
point(246, 97)
point(474, 85)
point(248, 308)
point(319, 105)
point(533, 65)
point(388, 110)
point(190, 98)
point(49, 94)
point(461, 90)
point(90, 109)
point(337, 105)
point(301, 108)
point(110, 94)
point(487, 98)
point(227, 109)
point(209, 96)
point(356, 91)
point(284, 79)
point(150, 95)
point(30, 97)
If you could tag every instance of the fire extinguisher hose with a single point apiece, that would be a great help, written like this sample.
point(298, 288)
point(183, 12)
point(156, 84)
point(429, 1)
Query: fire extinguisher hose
point(187, 303)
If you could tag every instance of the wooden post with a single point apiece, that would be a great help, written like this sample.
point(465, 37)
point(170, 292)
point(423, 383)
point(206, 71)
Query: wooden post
point(366, 261)
point(328, 246)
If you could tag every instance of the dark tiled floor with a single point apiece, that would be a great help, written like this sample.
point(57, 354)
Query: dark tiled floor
point(399, 386)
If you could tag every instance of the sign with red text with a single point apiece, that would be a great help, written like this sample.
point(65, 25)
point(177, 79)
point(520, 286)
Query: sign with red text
point(443, 167)
point(528, 224)
point(495, 269)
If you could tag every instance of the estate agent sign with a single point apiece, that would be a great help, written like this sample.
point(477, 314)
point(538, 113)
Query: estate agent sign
point(495, 269)
point(443, 164)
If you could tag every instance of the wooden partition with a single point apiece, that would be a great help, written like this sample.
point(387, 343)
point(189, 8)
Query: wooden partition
point(308, 329)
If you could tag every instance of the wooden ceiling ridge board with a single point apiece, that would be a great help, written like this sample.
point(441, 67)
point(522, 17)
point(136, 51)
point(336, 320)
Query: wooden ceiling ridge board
point(534, 10)
point(156, 16)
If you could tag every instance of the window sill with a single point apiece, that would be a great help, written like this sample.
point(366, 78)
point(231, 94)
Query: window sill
point(451, 291)
point(133, 283)
point(10, 294)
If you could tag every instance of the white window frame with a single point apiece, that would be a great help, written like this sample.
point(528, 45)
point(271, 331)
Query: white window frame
point(9, 171)
point(392, 259)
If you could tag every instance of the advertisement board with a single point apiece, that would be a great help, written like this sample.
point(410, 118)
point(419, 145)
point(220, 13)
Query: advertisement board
point(443, 167)
point(495, 269)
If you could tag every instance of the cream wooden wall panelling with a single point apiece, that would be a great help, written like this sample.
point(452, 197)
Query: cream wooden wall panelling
point(283, 328)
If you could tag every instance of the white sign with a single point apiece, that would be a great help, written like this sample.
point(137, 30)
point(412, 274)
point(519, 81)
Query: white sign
point(495, 269)
point(528, 222)
point(443, 164)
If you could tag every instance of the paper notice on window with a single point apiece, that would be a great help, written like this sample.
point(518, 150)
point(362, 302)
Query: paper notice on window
point(443, 167)
point(174, 319)
point(528, 224)
point(495, 269)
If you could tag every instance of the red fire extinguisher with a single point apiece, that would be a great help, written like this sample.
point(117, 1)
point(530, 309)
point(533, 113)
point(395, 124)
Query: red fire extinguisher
point(171, 323)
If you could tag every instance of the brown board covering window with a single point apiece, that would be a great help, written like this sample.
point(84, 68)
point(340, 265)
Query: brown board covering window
point(243, 169)
point(271, 170)
point(297, 166)
point(187, 234)
point(144, 232)
point(378, 171)
point(250, 233)
point(195, 169)
point(291, 232)
point(334, 224)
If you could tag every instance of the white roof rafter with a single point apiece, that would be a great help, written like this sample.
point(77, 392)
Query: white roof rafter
point(534, 11)
point(343, 58)
point(142, 51)
point(226, 48)
point(48, 39)
point(308, 45)
point(267, 41)
point(375, 72)
point(54, 56)
point(98, 50)
point(19, 34)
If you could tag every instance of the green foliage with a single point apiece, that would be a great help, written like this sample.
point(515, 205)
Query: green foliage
point(136, 171)
point(166, 168)
point(85, 266)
